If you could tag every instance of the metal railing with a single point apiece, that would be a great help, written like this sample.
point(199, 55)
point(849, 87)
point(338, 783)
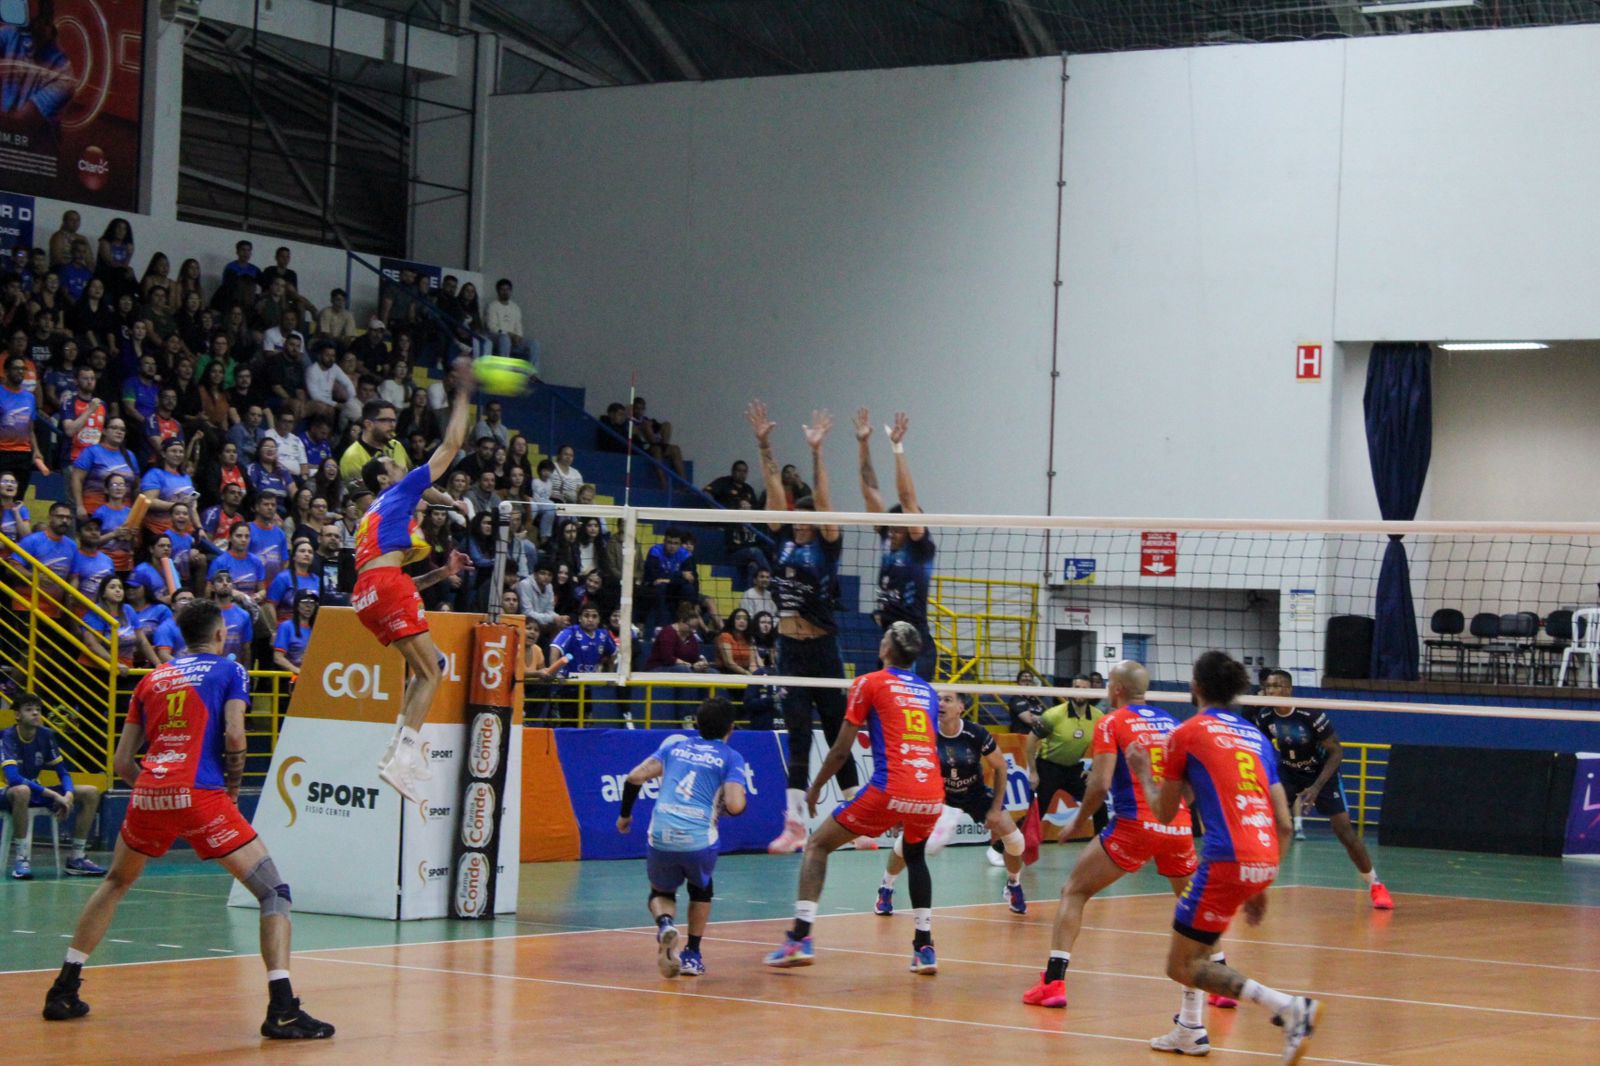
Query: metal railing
point(979, 623)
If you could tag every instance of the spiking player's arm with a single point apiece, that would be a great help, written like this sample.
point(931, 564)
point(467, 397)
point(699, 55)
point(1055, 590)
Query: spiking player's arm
point(771, 476)
point(816, 434)
point(832, 763)
point(457, 562)
point(455, 431)
point(869, 477)
point(646, 771)
point(903, 485)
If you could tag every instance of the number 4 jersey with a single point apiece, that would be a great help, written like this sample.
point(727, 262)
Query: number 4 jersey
point(694, 771)
point(1231, 767)
point(900, 713)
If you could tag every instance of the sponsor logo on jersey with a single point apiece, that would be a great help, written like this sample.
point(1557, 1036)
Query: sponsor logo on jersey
point(171, 800)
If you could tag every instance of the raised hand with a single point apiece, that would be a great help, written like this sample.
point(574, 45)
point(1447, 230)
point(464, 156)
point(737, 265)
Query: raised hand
point(897, 432)
point(756, 415)
point(863, 423)
point(817, 431)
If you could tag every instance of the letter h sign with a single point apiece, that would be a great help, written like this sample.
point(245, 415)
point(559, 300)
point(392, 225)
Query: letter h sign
point(1308, 362)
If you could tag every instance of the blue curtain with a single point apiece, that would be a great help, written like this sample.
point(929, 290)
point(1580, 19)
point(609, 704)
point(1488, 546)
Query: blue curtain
point(1399, 410)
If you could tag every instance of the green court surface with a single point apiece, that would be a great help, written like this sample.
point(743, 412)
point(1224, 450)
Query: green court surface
point(178, 910)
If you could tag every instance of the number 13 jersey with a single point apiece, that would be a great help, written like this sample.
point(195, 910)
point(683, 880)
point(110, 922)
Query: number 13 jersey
point(901, 714)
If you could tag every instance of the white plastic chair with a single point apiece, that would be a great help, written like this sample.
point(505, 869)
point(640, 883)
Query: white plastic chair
point(1585, 642)
point(7, 834)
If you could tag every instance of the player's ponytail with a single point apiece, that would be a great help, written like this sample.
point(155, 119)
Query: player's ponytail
point(1219, 678)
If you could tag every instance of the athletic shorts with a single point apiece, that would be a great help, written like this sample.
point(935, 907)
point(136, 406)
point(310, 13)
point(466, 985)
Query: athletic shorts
point(974, 805)
point(387, 603)
point(1329, 801)
point(669, 869)
point(874, 812)
point(1215, 894)
point(1131, 843)
point(205, 817)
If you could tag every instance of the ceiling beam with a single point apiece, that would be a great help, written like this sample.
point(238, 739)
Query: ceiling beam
point(663, 37)
point(1036, 40)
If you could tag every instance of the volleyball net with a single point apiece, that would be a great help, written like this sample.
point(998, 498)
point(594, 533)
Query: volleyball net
point(1021, 605)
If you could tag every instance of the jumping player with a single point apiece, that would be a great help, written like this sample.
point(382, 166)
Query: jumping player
point(898, 708)
point(1309, 756)
point(699, 780)
point(906, 568)
point(966, 752)
point(806, 571)
point(1134, 838)
point(1229, 769)
point(191, 710)
point(385, 597)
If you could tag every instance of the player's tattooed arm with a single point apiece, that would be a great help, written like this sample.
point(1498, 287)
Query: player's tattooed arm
point(771, 476)
point(821, 493)
point(869, 476)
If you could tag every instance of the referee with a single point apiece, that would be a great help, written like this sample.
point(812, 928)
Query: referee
point(1057, 747)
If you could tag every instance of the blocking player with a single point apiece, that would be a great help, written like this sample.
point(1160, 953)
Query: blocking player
point(1309, 757)
point(385, 597)
point(1228, 768)
point(803, 582)
point(191, 711)
point(1134, 838)
point(25, 749)
point(700, 779)
point(906, 568)
point(967, 752)
point(898, 708)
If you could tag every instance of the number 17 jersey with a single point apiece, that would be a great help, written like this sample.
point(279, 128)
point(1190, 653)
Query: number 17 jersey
point(901, 715)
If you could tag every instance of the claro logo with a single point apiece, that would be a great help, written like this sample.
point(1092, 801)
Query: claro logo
point(477, 815)
point(321, 797)
point(353, 681)
point(472, 885)
point(93, 168)
point(483, 744)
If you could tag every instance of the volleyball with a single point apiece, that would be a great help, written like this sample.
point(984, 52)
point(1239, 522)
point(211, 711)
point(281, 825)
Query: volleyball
point(502, 375)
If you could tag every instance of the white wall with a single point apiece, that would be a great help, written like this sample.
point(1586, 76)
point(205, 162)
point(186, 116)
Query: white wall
point(883, 238)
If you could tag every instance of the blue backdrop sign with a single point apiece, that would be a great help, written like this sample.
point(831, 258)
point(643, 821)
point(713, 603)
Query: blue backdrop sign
point(16, 221)
point(1583, 821)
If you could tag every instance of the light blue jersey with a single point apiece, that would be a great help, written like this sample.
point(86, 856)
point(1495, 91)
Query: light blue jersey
point(685, 816)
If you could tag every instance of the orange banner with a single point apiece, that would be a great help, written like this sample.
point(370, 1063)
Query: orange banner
point(549, 826)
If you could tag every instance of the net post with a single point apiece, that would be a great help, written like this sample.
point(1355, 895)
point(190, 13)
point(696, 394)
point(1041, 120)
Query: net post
point(630, 551)
point(502, 550)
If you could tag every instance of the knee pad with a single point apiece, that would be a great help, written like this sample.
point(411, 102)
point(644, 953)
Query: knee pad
point(1014, 844)
point(700, 895)
point(656, 893)
point(270, 890)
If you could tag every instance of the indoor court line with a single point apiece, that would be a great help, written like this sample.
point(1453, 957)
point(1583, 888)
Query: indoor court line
point(1317, 993)
point(1466, 899)
point(934, 1019)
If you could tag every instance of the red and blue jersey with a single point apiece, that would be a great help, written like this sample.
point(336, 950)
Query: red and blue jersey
point(1231, 768)
point(171, 487)
point(901, 714)
point(390, 523)
point(90, 570)
point(98, 463)
point(180, 704)
point(17, 410)
point(54, 553)
point(1112, 734)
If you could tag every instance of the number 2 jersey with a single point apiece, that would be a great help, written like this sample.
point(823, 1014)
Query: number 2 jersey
point(1112, 734)
point(1231, 768)
point(180, 705)
point(901, 715)
point(685, 815)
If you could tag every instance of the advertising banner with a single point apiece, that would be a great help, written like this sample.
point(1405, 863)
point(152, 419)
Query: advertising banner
point(1583, 820)
point(16, 221)
point(71, 99)
point(390, 269)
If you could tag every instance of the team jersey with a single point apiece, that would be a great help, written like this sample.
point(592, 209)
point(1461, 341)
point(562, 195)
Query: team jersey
point(288, 585)
point(22, 761)
point(127, 631)
point(276, 481)
point(55, 554)
point(1231, 769)
point(271, 545)
point(1297, 736)
point(111, 520)
point(8, 520)
point(17, 410)
point(90, 570)
point(904, 575)
point(584, 651)
point(695, 769)
point(390, 524)
point(170, 487)
point(802, 584)
point(180, 704)
point(291, 640)
point(241, 630)
point(89, 433)
point(151, 619)
point(154, 581)
point(218, 523)
point(1112, 735)
point(98, 463)
point(168, 638)
point(182, 545)
point(961, 761)
point(248, 571)
point(901, 714)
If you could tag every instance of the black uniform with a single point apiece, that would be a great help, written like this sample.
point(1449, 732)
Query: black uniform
point(803, 585)
point(1297, 737)
point(961, 761)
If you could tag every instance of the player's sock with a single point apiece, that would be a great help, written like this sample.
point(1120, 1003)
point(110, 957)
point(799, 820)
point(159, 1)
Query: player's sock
point(1371, 876)
point(805, 912)
point(80, 845)
point(889, 879)
point(1056, 968)
point(1013, 879)
point(797, 804)
point(1270, 998)
point(694, 942)
point(1220, 958)
point(279, 992)
point(1191, 1011)
point(76, 957)
point(923, 918)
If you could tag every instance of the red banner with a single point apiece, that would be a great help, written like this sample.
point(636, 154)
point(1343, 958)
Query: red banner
point(71, 99)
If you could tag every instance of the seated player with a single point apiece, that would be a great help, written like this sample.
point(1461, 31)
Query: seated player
point(700, 779)
point(1309, 757)
point(898, 708)
point(1132, 839)
point(966, 752)
point(25, 749)
point(1227, 766)
point(385, 597)
point(191, 712)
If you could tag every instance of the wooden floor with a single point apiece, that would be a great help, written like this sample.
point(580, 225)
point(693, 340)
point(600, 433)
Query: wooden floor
point(1441, 980)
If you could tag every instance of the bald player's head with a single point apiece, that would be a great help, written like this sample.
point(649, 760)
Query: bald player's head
point(1128, 683)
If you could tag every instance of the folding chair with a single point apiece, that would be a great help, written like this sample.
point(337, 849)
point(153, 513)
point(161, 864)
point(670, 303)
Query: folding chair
point(7, 834)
